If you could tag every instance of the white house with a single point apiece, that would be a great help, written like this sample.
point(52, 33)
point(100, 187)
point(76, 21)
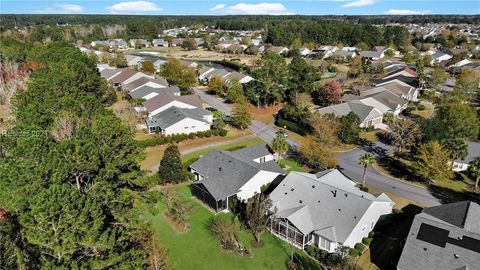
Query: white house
point(305, 51)
point(164, 101)
point(439, 57)
point(133, 60)
point(223, 176)
point(325, 209)
point(327, 50)
point(473, 153)
point(176, 120)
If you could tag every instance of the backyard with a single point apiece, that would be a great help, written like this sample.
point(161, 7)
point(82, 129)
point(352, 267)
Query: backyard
point(199, 249)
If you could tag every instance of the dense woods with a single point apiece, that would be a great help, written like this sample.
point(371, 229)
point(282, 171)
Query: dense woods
point(67, 170)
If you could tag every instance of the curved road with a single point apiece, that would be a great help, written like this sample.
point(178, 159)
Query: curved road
point(348, 161)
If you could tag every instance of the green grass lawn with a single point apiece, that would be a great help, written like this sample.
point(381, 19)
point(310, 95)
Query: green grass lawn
point(370, 136)
point(190, 157)
point(199, 249)
point(291, 165)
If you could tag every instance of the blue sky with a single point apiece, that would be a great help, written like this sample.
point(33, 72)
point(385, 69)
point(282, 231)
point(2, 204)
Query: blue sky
point(222, 7)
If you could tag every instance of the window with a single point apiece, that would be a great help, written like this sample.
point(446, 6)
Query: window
point(324, 243)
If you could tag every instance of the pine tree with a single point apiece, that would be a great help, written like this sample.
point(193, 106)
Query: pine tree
point(171, 168)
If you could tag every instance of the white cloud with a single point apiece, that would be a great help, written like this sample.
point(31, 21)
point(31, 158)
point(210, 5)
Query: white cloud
point(359, 3)
point(217, 7)
point(133, 7)
point(406, 12)
point(71, 8)
point(258, 9)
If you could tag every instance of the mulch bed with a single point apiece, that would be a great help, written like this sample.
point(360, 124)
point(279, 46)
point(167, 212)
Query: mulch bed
point(175, 225)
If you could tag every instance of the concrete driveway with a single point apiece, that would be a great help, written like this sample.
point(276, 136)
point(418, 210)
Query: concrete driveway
point(348, 161)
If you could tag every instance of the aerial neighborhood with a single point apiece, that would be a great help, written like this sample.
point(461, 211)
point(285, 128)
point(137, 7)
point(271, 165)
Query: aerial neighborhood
point(239, 142)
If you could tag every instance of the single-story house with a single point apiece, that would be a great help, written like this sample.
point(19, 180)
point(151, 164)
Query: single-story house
point(133, 60)
point(369, 116)
point(397, 87)
point(223, 176)
point(120, 43)
point(145, 81)
point(278, 50)
point(473, 153)
point(449, 85)
point(345, 54)
point(439, 57)
point(159, 42)
point(176, 120)
point(177, 42)
point(305, 51)
point(372, 55)
point(147, 92)
point(349, 49)
point(235, 75)
point(325, 209)
point(143, 43)
point(443, 237)
point(385, 102)
point(326, 50)
point(164, 101)
point(119, 77)
point(158, 63)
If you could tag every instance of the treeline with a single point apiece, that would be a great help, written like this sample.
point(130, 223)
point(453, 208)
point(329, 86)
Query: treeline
point(68, 170)
point(239, 22)
point(348, 34)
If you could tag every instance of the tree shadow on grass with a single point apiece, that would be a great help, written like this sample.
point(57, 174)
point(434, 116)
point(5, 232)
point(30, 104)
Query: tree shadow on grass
point(390, 235)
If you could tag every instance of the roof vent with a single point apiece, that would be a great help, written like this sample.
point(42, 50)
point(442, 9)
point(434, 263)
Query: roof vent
point(285, 193)
point(354, 217)
point(425, 248)
point(219, 169)
point(346, 194)
point(339, 209)
point(300, 201)
point(292, 189)
point(334, 192)
point(456, 256)
point(318, 201)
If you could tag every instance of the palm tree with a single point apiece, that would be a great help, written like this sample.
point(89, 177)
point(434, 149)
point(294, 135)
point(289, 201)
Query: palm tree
point(474, 170)
point(280, 145)
point(366, 160)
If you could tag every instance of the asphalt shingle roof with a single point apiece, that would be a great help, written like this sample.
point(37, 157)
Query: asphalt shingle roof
point(146, 90)
point(327, 203)
point(226, 172)
point(444, 237)
point(174, 114)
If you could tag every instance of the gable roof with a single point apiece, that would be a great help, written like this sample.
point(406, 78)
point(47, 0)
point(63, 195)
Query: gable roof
point(225, 172)
point(371, 54)
point(107, 73)
point(143, 80)
point(174, 114)
point(164, 99)
point(327, 203)
point(122, 76)
point(146, 90)
point(444, 237)
point(473, 152)
point(360, 109)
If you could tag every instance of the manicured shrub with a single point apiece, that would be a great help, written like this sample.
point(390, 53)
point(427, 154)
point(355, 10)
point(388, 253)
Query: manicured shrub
point(223, 132)
point(366, 241)
point(360, 247)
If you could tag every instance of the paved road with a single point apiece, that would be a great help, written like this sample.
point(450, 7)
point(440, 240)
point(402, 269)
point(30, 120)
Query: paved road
point(262, 130)
point(348, 161)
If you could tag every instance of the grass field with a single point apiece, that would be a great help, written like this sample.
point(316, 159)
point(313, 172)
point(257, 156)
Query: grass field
point(190, 157)
point(290, 165)
point(199, 249)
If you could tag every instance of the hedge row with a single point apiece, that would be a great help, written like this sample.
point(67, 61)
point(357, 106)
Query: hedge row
point(291, 126)
point(181, 137)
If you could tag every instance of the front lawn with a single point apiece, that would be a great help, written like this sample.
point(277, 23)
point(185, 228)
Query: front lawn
point(199, 249)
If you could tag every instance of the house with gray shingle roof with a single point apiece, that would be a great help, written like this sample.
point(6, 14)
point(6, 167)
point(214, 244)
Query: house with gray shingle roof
point(372, 55)
point(176, 120)
point(473, 149)
point(147, 92)
point(444, 237)
point(223, 176)
point(325, 209)
point(368, 115)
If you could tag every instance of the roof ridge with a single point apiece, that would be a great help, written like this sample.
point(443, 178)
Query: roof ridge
point(363, 197)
